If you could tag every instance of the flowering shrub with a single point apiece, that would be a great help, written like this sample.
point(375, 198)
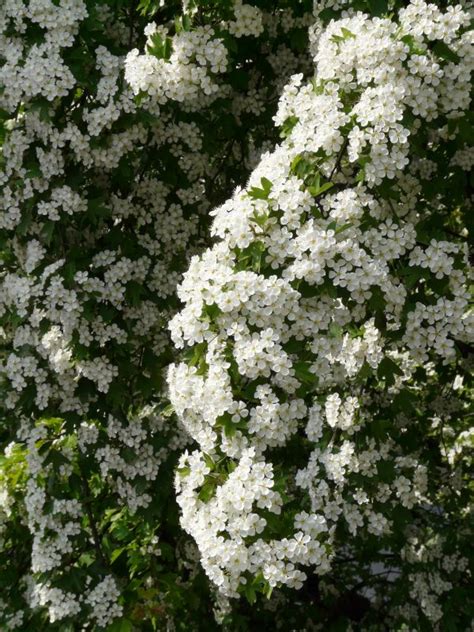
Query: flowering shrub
point(321, 321)
point(321, 438)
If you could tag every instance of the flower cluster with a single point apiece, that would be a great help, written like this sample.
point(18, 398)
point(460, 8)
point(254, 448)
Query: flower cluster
point(326, 337)
point(39, 69)
point(335, 284)
point(248, 20)
point(104, 196)
point(185, 73)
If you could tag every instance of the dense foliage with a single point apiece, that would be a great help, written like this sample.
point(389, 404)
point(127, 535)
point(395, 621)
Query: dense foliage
point(235, 337)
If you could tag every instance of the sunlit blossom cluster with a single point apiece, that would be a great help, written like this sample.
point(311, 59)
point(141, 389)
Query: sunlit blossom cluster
point(303, 324)
point(104, 188)
point(309, 167)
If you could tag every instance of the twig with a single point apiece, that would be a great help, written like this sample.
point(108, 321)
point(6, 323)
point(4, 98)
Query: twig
point(339, 158)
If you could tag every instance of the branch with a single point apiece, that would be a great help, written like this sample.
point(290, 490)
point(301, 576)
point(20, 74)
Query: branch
point(92, 522)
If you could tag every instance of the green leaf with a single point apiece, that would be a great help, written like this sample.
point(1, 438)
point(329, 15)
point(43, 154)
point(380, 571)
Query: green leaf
point(147, 7)
point(260, 220)
point(116, 553)
point(365, 372)
point(335, 331)
point(263, 193)
point(196, 356)
point(288, 126)
point(159, 47)
point(301, 167)
point(377, 301)
point(412, 275)
point(360, 177)
point(294, 346)
point(250, 593)
point(326, 15)
point(347, 34)
point(209, 461)
point(341, 229)
point(120, 625)
point(443, 51)
point(186, 20)
point(212, 311)
point(230, 466)
point(414, 47)
point(387, 370)
point(320, 189)
point(167, 48)
point(266, 184)
point(307, 290)
point(386, 470)
point(134, 292)
point(379, 428)
point(405, 401)
point(207, 491)
point(304, 374)
point(168, 411)
point(47, 231)
point(225, 422)
point(257, 194)
point(378, 7)
point(257, 254)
